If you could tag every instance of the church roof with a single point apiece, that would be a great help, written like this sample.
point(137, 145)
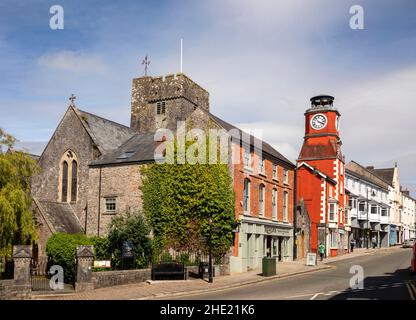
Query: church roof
point(139, 148)
point(59, 216)
point(267, 148)
point(106, 134)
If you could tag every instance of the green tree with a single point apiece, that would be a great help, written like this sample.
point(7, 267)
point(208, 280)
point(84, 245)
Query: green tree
point(130, 227)
point(17, 225)
point(179, 200)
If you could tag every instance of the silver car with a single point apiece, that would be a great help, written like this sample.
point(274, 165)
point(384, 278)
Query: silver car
point(409, 243)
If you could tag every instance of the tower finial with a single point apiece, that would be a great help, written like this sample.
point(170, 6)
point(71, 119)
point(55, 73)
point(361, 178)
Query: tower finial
point(72, 99)
point(146, 63)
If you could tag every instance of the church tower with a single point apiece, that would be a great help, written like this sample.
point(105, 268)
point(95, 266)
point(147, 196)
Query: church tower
point(321, 175)
point(159, 102)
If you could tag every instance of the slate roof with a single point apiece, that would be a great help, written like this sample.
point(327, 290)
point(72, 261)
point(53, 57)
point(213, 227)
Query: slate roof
point(365, 174)
point(139, 148)
point(386, 174)
point(106, 134)
point(60, 216)
point(267, 148)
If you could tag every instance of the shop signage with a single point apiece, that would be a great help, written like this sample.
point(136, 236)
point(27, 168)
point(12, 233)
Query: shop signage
point(311, 259)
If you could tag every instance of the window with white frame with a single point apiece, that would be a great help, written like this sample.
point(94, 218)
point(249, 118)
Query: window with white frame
point(261, 199)
point(384, 212)
point(274, 204)
point(247, 156)
point(246, 196)
point(110, 205)
point(274, 171)
point(285, 206)
point(361, 207)
point(332, 211)
point(262, 165)
point(285, 175)
point(374, 209)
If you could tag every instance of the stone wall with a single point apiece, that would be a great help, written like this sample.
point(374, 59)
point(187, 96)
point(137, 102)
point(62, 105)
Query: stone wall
point(115, 278)
point(70, 134)
point(7, 289)
point(180, 94)
point(121, 182)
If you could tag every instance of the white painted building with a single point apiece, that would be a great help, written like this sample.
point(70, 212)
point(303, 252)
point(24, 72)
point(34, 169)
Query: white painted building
point(408, 217)
point(369, 213)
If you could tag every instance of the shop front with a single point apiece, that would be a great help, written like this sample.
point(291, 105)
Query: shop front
point(258, 239)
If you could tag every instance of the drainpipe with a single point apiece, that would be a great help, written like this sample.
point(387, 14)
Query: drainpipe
point(99, 204)
point(295, 253)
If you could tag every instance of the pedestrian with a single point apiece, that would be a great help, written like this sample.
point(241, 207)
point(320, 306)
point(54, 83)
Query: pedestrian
point(374, 241)
point(321, 250)
point(362, 242)
point(352, 244)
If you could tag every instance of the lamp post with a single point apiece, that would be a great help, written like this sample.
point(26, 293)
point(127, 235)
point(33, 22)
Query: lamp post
point(368, 221)
point(211, 229)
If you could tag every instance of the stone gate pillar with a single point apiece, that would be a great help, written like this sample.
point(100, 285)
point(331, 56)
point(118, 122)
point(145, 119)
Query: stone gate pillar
point(85, 256)
point(22, 255)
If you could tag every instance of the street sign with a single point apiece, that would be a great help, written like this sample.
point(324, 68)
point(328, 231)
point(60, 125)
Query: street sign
point(311, 259)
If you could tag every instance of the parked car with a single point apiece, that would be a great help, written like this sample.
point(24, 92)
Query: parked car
point(413, 261)
point(409, 243)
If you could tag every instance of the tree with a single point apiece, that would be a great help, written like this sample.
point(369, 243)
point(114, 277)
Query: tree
point(179, 200)
point(130, 227)
point(16, 221)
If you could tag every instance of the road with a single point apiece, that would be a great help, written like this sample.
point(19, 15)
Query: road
point(386, 277)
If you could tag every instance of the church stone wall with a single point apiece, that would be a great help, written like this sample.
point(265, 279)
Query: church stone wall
point(180, 94)
point(70, 134)
point(120, 182)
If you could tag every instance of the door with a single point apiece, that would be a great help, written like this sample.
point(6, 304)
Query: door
point(279, 246)
point(302, 245)
point(269, 246)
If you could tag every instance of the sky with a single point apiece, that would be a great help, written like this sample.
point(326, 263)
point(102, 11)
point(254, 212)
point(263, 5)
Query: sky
point(261, 61)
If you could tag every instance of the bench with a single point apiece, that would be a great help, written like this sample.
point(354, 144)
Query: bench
point(168, 271)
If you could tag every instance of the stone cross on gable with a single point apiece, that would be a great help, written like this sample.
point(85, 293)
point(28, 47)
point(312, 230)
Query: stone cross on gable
point(72, 99)
point(146, 63)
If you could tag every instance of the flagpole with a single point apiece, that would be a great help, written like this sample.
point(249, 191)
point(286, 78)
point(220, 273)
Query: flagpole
point(181, 54)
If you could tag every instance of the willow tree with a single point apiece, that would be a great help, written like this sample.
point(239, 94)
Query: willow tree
point(16, 221)
point(185, 201)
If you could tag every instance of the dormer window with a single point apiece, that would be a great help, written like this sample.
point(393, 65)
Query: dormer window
point(161, 107)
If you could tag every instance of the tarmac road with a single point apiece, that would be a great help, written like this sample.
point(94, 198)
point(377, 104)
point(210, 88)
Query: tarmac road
point(386, 277)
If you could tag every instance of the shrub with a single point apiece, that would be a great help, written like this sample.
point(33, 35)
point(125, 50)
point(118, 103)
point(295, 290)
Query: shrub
point(132, 228)
point(61, 250)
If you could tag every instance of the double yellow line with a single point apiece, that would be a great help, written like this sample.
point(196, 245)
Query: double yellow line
point(412, 288)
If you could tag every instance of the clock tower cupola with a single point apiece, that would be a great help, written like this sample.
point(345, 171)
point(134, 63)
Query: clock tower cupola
point(321, 140)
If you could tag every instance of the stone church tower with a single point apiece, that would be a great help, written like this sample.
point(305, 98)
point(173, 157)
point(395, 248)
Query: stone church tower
point(160, 102)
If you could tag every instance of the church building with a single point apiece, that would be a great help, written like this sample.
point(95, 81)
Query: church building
point(91, 171)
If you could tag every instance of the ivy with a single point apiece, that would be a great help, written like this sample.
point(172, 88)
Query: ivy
point(179, 200)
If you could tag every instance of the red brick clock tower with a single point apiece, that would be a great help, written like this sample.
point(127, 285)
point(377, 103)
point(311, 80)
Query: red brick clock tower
point(320, 176)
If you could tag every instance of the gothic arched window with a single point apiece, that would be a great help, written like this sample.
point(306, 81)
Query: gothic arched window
point(74, 181)
point(68, 188)
point(64, 181)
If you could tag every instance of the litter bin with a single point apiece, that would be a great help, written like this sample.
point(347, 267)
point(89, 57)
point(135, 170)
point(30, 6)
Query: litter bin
point(204, 270)
point(268, 266)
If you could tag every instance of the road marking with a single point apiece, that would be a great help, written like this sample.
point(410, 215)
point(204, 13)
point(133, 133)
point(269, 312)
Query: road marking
point(412, 290)
point(315, 295)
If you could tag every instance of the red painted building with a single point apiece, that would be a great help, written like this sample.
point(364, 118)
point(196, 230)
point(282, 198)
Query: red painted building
point(320, 177)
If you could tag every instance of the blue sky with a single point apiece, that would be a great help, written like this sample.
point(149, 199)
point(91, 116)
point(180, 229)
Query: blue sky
point(261, 61)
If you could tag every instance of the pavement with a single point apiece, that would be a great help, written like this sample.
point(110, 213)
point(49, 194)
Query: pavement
point(195, 287)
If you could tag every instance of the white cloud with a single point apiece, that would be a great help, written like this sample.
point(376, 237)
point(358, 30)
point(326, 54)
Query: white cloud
point(72, 61)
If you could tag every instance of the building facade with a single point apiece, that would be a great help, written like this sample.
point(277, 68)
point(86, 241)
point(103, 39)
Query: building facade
point(321, 177)
point(91, 170)
point(369, 206)
point(408, 218)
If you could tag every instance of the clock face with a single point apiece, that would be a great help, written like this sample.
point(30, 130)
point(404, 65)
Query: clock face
point(318, 121)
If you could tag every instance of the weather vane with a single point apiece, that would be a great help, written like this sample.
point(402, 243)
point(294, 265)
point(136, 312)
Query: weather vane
point(72, 99)
point(146, 63)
